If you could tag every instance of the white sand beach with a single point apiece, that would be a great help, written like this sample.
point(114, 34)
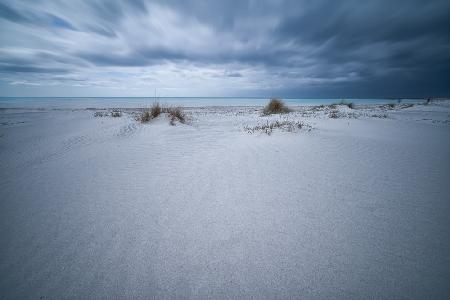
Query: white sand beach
point(352, 207)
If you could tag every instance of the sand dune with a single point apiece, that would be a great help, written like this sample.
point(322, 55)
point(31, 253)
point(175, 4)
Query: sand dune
point(101, 207)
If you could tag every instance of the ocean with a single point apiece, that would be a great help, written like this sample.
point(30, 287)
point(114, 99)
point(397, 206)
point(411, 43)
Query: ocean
point(140, 102)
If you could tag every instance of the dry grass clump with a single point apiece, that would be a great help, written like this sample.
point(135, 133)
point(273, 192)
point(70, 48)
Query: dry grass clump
point(149, 114)
point(276, 106)
point(176, 114)
point(268, 127)
point(155, 110)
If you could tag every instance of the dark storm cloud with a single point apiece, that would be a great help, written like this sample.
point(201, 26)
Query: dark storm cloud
point(345, 28)
point(306, 48)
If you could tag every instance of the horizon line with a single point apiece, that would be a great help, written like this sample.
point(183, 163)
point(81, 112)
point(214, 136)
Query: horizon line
point(233, 97)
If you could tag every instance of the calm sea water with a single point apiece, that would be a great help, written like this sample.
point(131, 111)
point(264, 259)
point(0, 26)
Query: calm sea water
point(134, 102)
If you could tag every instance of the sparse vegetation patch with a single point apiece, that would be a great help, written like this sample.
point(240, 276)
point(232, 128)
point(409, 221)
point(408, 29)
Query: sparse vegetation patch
point(334, 114)
point(151, 113)
point(380, 116)
point(155, 110)
point(176, 114)
point(144, 117)
point(406, 105)
point(269, 127)
point(100, 114)
point(350, 105)
point(116, 114)
point(173, 113)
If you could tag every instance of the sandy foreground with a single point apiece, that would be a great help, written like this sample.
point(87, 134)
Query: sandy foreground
point(356, 206)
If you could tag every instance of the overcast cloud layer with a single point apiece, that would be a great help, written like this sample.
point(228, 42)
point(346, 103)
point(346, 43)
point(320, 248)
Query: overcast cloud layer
point(295, 48)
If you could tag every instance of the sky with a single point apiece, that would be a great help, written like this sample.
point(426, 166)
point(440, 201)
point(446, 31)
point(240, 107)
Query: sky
point(299, 48)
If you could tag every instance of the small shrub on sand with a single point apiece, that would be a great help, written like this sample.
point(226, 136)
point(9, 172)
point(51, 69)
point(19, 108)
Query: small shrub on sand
point(351, 105)
point(275, 106)
point(176, 113)
point(155, 110)
point(391, 105)
point(151, 113)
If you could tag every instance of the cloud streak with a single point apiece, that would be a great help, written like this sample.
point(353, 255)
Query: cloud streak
point(223, 48)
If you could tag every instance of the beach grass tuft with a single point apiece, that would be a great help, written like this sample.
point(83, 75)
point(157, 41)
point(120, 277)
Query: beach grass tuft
point(148, 114)
point(275, 106)
point(155, 110)
point(145, 116)
point(176, 114)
